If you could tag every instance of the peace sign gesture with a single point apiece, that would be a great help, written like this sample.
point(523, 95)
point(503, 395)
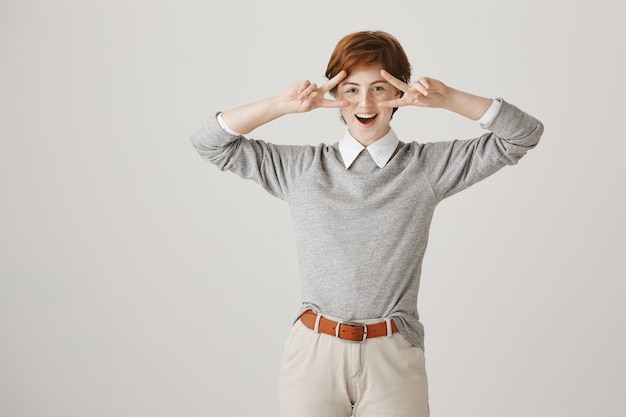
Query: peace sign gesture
point(300, 97)
point(429, 92)
point(305, 96)
point(425, 92)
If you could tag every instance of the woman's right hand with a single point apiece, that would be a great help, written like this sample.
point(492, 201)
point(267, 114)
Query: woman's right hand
point(305, 96)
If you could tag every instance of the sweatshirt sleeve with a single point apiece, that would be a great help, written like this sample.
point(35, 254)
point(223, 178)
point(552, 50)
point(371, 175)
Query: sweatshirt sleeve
point(275, 167)
point(455, 165)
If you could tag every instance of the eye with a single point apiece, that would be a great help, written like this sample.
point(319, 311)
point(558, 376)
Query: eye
point(351, 90)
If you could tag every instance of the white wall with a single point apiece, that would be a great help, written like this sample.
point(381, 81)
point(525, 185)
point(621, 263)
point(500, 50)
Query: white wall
point(138, 280)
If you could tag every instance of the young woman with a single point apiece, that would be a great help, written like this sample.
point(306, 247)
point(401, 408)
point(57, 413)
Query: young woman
point(362, 208)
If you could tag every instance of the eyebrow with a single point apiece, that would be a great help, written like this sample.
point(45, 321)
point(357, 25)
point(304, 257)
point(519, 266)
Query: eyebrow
point(375, 82)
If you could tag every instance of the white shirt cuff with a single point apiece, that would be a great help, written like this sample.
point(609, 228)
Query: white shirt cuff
point(223, 125)
point(491, 112)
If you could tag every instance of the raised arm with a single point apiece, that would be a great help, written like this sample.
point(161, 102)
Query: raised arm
point(300, 97)
point(429, 92)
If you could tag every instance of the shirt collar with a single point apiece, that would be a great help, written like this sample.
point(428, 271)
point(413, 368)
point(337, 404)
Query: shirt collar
point(380, 151)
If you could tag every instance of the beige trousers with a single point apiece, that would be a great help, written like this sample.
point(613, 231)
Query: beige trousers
point(323, 376)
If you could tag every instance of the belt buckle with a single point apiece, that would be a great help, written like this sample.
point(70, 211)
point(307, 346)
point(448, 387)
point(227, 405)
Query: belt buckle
point(352, 324)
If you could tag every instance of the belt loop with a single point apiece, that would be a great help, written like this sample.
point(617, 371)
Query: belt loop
point(316, 328)
point(389, 329)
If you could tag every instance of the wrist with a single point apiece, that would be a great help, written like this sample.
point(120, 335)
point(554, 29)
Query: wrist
point(466, 104)
point(277, 107)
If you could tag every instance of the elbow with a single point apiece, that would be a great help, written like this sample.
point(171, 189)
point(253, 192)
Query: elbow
point(537, 133)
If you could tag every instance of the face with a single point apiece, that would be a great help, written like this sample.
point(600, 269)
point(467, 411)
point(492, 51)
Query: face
point(364, 89)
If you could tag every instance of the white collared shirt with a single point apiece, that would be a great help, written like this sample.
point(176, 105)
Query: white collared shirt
point(380, 151)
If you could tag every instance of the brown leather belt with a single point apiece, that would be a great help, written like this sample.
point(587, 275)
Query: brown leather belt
point(356, 332)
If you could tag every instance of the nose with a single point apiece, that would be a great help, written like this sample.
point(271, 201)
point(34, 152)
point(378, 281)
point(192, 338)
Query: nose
point(365, 98)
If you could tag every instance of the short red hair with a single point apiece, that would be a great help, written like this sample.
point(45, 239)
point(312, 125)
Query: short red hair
point(361, 50)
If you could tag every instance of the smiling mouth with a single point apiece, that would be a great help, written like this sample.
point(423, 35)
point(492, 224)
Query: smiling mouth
point(366, 119)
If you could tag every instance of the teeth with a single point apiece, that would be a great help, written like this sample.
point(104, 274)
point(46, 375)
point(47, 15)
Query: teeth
point(366, 115)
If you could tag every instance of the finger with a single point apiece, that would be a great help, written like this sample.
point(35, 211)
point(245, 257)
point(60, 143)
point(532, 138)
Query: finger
point(302, 85)
point(402, 86)
point(306, 92)
point(333, 104)
point(425, 81)
point(332, 83)
point(399, 102)
point(422, 85)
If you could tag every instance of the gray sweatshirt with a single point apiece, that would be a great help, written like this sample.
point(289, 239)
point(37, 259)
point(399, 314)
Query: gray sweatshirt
point(362, 232)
